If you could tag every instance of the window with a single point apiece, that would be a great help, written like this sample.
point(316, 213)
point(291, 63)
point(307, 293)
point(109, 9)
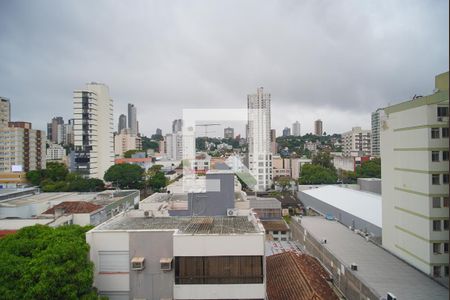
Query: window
point(437, 271)
point(445, 178)
point(436, 225)
point(434, 133)
point(445, 224)
point(445, 155)
point(445, 202)
point(114, 262)
point(446, 271)
point(435, 179)
point(434, 155)
point(445, 247)
point(436, 248)
point(436, 202)
point(442, 111)
point(445, 132)
point(218, 269)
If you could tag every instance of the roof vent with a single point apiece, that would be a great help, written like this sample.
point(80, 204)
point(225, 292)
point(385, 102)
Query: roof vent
point(354, 267)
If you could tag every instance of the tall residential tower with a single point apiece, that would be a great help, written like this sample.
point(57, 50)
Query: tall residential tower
point(93, 130)
point(259, 152)
point(415, 180)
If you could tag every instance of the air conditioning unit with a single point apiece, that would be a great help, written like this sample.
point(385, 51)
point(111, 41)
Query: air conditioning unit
point(166, 263)
point(354, 267)
point(231, 212)
point(137, 263)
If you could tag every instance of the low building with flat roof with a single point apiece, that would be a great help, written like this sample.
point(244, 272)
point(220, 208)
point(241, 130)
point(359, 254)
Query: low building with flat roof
point(360, 210)
point(178, 257)
point(362, 269)
point(67, 207)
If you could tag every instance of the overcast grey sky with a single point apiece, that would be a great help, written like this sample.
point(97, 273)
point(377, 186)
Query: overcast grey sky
point(334, 60)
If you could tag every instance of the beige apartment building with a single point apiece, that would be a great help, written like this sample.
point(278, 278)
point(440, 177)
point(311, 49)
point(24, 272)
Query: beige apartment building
point(356, 142)
point(415, 180)
point(22, 148)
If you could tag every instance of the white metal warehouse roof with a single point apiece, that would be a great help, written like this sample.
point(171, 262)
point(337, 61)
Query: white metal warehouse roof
point(364, 205)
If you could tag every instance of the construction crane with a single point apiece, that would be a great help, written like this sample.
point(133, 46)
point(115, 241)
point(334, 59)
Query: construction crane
point(206, 127)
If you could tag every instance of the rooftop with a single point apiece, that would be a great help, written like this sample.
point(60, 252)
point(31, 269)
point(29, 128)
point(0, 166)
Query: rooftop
point(297, 276)
point(275, 225)
point(364, 205)
point(184, 225)
point(74, 207)
point(382, 271)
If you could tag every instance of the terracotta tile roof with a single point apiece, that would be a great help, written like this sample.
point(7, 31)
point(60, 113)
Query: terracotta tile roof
point(275, 225)
point(74, 207)
point(291, 276)
point(4, 233)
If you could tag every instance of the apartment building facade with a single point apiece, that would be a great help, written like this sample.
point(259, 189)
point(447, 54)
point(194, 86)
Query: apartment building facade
point(258, 137)
point(126, 140)
point(93, 130)
point(375, 134)
point(415, 180)
point(356, 142)
point(142, 257)
point(22, 148)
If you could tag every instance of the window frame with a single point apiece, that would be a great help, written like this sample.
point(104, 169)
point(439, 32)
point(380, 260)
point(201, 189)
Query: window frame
point(435, 133)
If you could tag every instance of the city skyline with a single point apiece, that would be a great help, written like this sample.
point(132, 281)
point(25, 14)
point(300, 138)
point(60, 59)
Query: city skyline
point(199, 39)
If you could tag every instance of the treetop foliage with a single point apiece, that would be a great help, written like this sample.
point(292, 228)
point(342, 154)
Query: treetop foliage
point(40, 262)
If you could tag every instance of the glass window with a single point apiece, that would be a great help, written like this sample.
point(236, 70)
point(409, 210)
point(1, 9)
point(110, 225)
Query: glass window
point(437, 271)
point(445, 132)
point(442, 111)
point(436, 248)
point(445, 247)
point(445, 178)
point(434, 133)
point(446, 271)
point(436, 202)
point(436, 225)
point(445, 224)
point(434, 155)
point(435, 179)
point(445, 202)
point(445, 155)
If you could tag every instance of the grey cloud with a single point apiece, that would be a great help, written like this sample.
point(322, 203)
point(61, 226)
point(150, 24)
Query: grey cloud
point(336, 58)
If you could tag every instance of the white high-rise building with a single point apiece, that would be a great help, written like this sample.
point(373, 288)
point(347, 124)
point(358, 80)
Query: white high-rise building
point(174, 145)
point(376, 131)
point(356, 142)
point(296, 128)
point(415, 180)
point(93, 130)
point(259, 152)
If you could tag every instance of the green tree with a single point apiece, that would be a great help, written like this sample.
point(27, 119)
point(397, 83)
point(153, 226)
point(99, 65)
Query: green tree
point(283, 181)
point(35, 177)
point(158, 181)
point(152, 143)
point(40, 262)
point(323, 159)
point(56, 171)
point(127, 154)
point(369, 169)
point(316, 174)
point(127, 176)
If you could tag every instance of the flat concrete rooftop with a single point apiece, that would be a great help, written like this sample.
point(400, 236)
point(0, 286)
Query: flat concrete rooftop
point(184, 225)
point(100, 198)
point(381, 270)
